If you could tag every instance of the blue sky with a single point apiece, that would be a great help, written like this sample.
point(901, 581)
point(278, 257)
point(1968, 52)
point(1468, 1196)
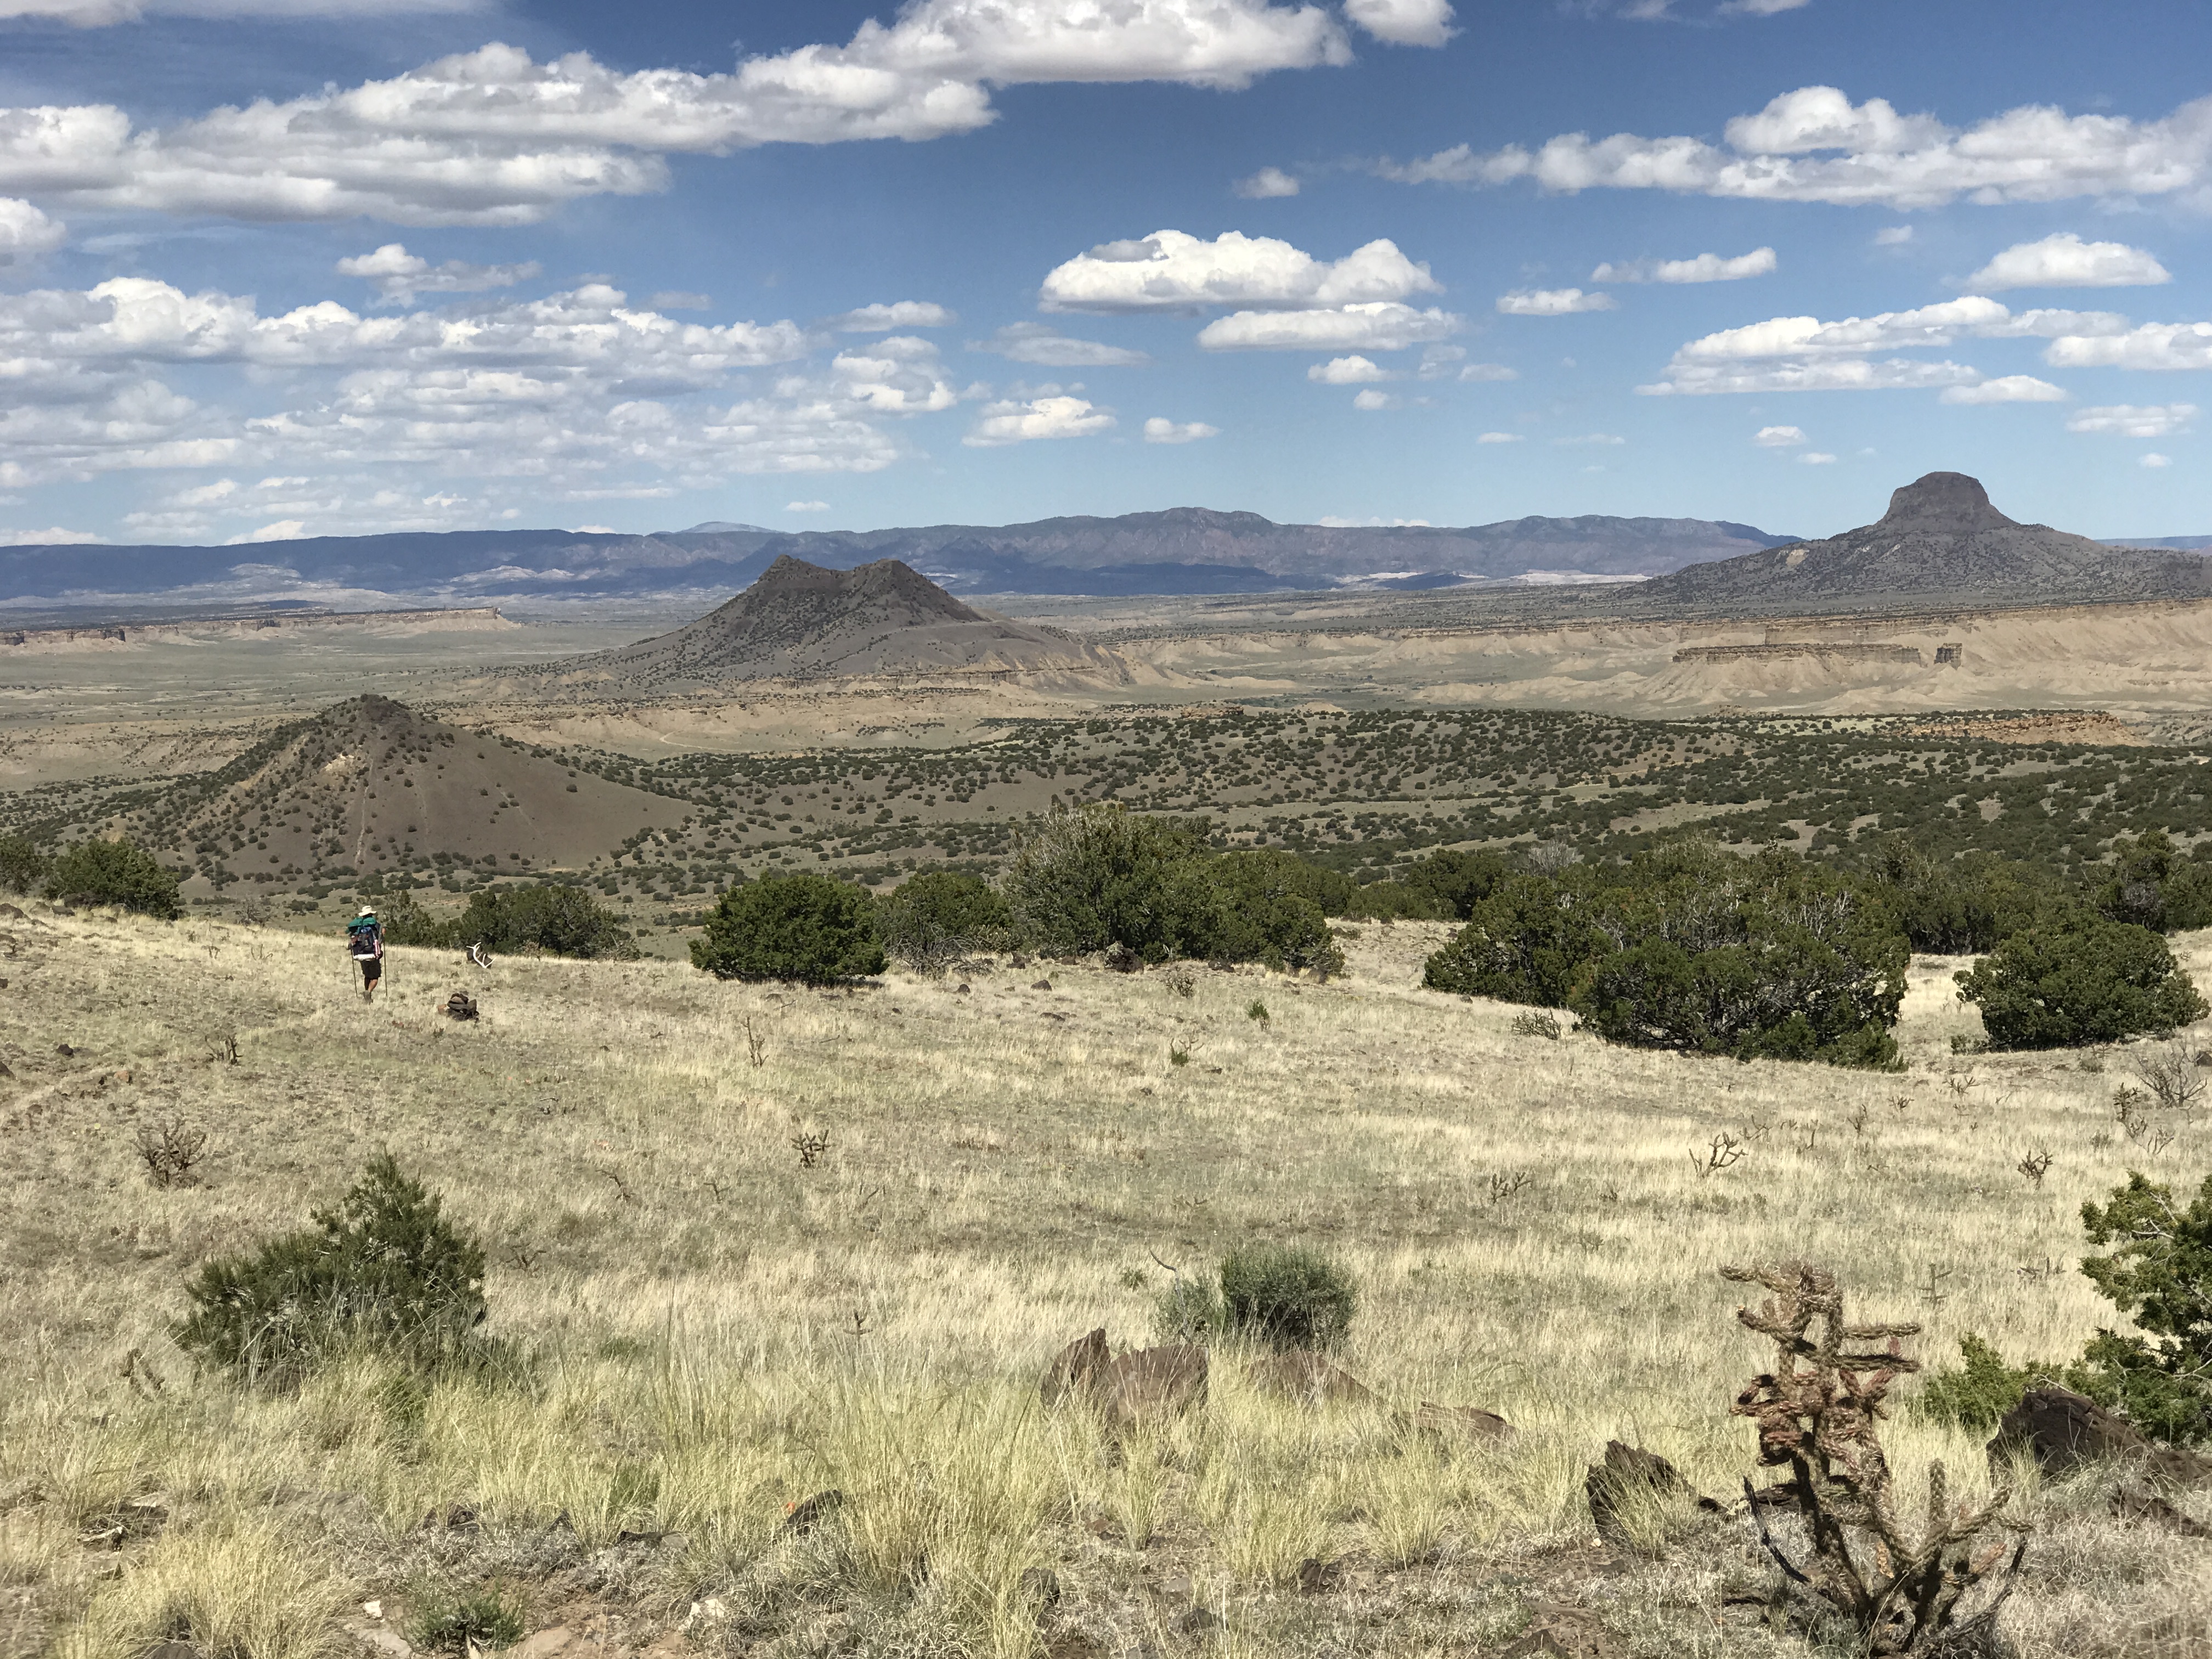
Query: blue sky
point(286, 267)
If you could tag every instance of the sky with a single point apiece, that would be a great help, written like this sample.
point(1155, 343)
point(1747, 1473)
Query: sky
point(283, 268)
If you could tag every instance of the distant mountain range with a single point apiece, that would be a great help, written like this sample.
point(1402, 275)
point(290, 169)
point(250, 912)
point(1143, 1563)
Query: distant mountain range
point(1183, 550)
point(1941, 540)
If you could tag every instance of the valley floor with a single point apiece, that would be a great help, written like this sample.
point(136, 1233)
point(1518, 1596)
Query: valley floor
point(720, 1330)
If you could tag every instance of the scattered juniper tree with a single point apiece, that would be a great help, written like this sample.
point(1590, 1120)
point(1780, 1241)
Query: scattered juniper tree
point(806, 929)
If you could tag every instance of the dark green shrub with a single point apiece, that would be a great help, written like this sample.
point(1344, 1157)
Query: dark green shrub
point(383, 1269)
point(1098, 878)
point(1695, 949)
point(809, 929)
point(1964, 906)
point(2078, 980)
point(23, 864)
point(119, 872)
point(941, 915)
point(1977, 1394)
point(1271, 870)
point(562, 922)
point(2153, 885)
point(407, 922)
point(1266, 913)
point(1286, 1295)
point(1528, 941)
point(1394, 901)
point(1455, 883)
point(2160, 1276)
point(447, 1619)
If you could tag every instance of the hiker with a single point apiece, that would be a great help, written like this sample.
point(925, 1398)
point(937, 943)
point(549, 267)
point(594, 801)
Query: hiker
point(365, 944)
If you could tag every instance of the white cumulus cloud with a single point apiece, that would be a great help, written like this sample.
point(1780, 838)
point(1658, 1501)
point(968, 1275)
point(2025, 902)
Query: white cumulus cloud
point(1815, 458)
point(2134, 420)
point(53, 536)
point(1048, 348)
point(900, 313)
point(1370, 400)
point(1815, 145)
point(1551, 303)
point(1893, 236)
point(1015, 422)
point(25, 232)
point(494, 137)
point(2153, 346)
point(1403, 22)
point(1705, 268)
point(1489, 372)
point(1161, 430)
point(1778, 437)
point(806, 506)
point(1501, 438)
point(1358, 328)
point(582, 386)
point(1266, 185)
point(1803, 354)
point(1171, 271)
point(2066, 261)
point(1348, 371)
point(2007, 389)
point(398, 276)
point(2153, 460)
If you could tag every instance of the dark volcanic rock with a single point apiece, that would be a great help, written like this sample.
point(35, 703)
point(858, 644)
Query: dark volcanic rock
point(1942, 538)
point(2063, 1430)
point(1630, 1476)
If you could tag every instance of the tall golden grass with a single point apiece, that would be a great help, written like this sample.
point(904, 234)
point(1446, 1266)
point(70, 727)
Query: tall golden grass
point(718, 1332)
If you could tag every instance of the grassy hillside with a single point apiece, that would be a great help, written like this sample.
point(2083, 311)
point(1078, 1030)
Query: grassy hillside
point(719, 1331)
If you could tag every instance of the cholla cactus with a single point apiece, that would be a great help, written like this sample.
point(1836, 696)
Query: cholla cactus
point(1819, 1412)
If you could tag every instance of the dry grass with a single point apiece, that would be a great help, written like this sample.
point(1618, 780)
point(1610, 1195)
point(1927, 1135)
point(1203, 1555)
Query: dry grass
point(722, 1332)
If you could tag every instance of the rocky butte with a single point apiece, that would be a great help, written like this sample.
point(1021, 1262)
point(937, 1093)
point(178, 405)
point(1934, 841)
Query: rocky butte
point(1941, 539)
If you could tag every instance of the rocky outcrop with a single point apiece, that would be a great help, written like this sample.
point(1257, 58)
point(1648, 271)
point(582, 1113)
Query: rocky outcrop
point(803, 621)
point(2063, 1432)
point(1941, 537)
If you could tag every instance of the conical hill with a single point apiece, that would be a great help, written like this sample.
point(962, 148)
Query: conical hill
point(799, 621)
point(370, 785)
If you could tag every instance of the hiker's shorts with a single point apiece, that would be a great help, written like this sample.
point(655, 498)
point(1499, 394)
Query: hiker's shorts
point(371, 970)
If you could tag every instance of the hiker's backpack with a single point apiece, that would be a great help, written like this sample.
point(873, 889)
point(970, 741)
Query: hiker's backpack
point(364, 938)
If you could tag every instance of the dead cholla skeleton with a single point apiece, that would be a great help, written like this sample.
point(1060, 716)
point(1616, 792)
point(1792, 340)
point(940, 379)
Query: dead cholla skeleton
point(1818, 1412)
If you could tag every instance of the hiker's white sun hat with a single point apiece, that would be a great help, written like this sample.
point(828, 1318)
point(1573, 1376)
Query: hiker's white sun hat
point(368, 910)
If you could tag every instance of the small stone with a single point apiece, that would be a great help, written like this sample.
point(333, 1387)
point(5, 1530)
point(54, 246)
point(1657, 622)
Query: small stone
point(961, 989)
point(1041, 985)
point(1198, 1620)
point(374, 1609)
point(1040, 1585)
point(389, 1642)
point(1315, 1576)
